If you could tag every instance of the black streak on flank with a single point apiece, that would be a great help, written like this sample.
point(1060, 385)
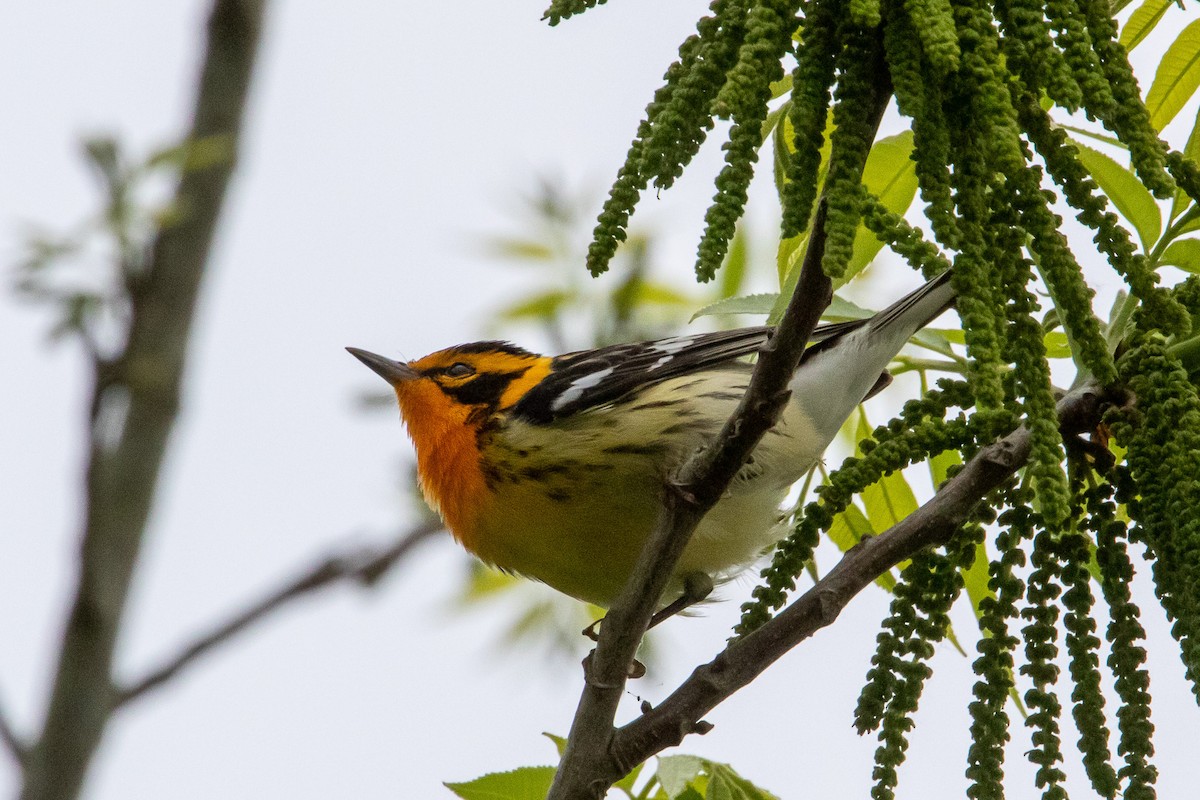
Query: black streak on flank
point(687, 427)
point(635, 449)
point(656, 404)
point(558, 495)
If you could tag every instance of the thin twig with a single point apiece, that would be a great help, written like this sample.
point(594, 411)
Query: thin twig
point(12, 742)
point(364, 566)
point(932, 524)
point(135, 401)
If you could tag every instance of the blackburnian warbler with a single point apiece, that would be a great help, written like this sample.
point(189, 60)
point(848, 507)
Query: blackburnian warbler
point(553, 467)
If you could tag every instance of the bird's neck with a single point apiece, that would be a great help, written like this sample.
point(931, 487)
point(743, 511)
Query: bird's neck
point(446, 440)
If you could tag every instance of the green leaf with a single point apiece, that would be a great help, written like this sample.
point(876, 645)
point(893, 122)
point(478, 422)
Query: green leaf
point(1142, 21)
point(626, 783)
point(1057, 345)
point(658, 294)
point(1126, 192)
point(1184, 253)
point(781, 87)
point(842, 310)
point(675, 773)
point(889, 500)
point(890, 175)
point(848, 529)
point(521, 249)
point(781, 135)
point(733, 274)
point(975, 579)
point(1103, 138)
point(1177, 78)
point(940, 464)
point(525, 783)
point(560, 742)
point(542, 306)
point(725, 784)
point(1190, 226)
point(746, 304)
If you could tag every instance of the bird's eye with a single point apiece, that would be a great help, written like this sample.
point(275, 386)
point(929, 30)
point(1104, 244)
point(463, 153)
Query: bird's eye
point(459, 370)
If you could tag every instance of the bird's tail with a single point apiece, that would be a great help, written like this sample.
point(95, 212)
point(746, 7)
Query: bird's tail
point(839, 372)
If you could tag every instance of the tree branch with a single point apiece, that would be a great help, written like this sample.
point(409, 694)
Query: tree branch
point(364, 566)
point(932, 524)
point(586, 769)
point(697, 488)
point(11, 741)
point(134, 404)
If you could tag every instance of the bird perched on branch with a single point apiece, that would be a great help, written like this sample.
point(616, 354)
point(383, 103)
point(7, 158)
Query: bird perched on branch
point(553, 467)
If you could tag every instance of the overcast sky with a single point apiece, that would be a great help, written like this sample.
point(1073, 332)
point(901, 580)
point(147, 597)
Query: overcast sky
point(383, 140)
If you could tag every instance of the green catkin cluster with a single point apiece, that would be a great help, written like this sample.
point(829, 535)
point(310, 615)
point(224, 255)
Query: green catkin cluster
point(854, 131)
point(1041, 648)
point(1186, 174)
point(745, 94)
point(936, 33)
point(1082, 648)
point(864, 13)
point(808, 113)
point(919, 619)
point(977, 303)
point(1027, 351)
point(970, 74)
point(1187, 294)
point(1128, 657)
point(921, 100)
point(896, 451)
point(995, 666)
point(562, 9)
point(1082, 193)
point(1128, 118)
point(683, 123)
point(1163, 440)
point(676, 123)
point(1032, 53)
point(904, 240)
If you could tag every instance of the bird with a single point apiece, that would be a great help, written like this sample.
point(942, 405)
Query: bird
point(553, 467)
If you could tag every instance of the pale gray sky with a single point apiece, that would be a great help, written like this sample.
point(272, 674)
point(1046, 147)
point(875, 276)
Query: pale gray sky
point(383, 138)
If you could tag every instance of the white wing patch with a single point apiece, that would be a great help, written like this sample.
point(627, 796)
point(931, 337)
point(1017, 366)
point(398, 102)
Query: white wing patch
point(674, 345)
point(579, 386)
point(660, 362)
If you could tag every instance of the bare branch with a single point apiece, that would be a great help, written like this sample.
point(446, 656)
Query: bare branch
point(932, 524)
point(135, 400)
point(364, 566)
point(584, 769)
point(11, 741)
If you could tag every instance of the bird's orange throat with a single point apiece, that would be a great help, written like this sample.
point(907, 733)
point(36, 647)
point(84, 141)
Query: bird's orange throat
point(447, 455)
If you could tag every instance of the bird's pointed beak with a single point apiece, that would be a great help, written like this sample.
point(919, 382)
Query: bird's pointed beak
point(391, 371)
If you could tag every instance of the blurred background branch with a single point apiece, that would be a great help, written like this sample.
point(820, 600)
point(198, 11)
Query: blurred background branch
point(135, 399)
point(364, 565)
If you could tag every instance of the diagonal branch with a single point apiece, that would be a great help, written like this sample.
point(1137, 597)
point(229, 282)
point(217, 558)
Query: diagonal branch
point(364, 566)
point(11, 741)
point(134, 404)
point(696, 489)
point(932, 524)
point(586, 769)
